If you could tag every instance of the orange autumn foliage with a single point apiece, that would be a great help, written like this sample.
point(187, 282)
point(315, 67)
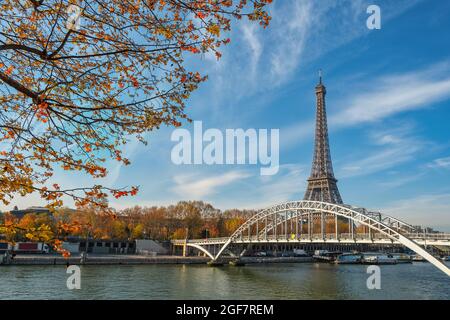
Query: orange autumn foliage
point(72, 94)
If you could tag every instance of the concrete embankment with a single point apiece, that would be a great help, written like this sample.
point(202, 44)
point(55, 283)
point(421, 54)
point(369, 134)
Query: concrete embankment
point(99, 259)
point(105, 260)
point(249, 260)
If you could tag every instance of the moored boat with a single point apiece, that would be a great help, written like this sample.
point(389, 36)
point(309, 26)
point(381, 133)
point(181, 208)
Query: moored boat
point(378, 258)
point(326, 256)
point(349, 258)
point(402, 257)
point(418, 258)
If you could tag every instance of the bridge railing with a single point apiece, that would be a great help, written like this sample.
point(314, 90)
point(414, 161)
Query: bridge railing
point(429, 236)
point(315, 236)
point(204, 240)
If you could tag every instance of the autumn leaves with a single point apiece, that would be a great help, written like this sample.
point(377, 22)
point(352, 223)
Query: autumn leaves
point(72, 98)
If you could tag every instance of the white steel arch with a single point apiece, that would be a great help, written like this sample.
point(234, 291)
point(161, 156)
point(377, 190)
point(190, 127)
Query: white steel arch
point(340, 211)
point(392, 222)
point(199, 247)
point(389, 220)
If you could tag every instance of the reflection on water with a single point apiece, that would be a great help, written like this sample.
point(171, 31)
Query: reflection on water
point(275, 281)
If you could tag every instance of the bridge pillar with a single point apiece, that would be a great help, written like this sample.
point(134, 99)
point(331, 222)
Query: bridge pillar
point(322, 225)
point(301, 225)
point(309, 226)
point(336, 227)
point(257, 230)
point(292, 227)
point(185, 248)
point(275, 225)
point(265, 229)
point(353, 229)
point(285, 225)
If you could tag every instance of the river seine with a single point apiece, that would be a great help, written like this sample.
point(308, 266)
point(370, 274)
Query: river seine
point(270, 281)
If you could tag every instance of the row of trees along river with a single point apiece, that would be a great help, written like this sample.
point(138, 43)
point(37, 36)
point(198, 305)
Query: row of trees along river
point(197, 218)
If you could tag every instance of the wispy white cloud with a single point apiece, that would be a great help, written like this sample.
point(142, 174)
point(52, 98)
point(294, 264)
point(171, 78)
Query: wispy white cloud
point(395, 182)
point(379, 161)
point(115, 167)
point(393, 94)
point(293, 134)
point(263, 191)
point(431, 210)
point(244, 189)
point(289, 185)
point(250, 35)
point(292, 29)
point(441, 163)
point(197, 187)
point(259, 191)
point(388, 149)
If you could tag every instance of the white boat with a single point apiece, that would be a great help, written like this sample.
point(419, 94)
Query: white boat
point(418, 258)
point(325, 256)
point(445, 258)
point(320, 252)
point(378, 258)
point(402, 257)
point(349, 258)
point(300, 253)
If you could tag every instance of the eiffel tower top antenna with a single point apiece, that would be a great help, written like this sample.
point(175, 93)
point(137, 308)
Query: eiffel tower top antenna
point(320, 76)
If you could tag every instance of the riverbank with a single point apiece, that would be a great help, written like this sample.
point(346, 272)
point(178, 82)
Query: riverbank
point(98, 259)
point(276, 259)
point(104, 260)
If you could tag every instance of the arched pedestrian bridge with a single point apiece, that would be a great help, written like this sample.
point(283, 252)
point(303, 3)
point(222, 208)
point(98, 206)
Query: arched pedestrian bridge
point(310, 221)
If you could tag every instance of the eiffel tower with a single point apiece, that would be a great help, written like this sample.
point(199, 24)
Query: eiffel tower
point(322, 185)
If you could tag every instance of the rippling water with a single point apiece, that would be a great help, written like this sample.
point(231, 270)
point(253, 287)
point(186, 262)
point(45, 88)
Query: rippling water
point(271, 281)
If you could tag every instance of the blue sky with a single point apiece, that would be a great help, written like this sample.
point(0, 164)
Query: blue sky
point(388, 107)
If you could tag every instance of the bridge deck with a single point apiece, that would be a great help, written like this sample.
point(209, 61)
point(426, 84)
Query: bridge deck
point(422, 239)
